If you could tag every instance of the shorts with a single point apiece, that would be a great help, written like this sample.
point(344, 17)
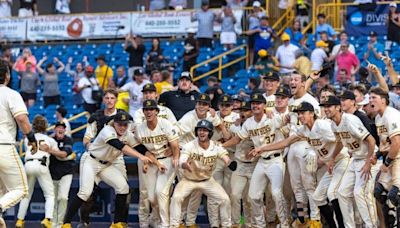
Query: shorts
point(228, 38)
point(28, 96)
point(250, 41)
point(48, 100)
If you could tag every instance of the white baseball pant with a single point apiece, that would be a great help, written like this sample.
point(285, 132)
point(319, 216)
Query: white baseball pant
point(273, 171)
point(303, 183)
point(240, 182)
point(208, 187)
point(355, 186)
point(34, 170)
point(158, 187)
point(192, 204)
point(12, 177)
point(61, 192)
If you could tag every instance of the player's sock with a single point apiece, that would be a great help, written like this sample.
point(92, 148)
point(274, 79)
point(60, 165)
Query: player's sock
point(120, 211)
point(327, 212)
point(338, 213)
point(300, 212)
point(73, 208)
point(87, 206)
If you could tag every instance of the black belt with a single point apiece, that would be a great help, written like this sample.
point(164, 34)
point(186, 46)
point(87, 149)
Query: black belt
point(100, 161)
point(272, 156)
point(42, 160)
point(199, 180)
point(8, 144)
point(161, 158)
point(247, 162)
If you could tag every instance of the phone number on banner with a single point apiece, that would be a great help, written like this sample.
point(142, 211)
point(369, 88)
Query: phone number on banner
point(163, 23)
point(44, 28)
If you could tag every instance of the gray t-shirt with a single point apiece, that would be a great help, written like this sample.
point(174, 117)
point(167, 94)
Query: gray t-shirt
point(29, 82)
point(394, 100)
point(50, 85)
point(206, 22)
point(227, 24)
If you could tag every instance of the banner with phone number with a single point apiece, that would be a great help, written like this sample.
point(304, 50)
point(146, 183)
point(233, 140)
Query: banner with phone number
point(12, 29)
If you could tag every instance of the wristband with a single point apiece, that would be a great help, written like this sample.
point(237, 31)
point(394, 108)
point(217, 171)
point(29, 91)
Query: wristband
point(31, 137)
point(388, 161)
point(310, 78)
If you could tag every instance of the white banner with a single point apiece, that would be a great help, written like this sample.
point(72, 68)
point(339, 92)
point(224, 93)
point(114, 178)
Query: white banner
point(13, 29)
point(78, 26)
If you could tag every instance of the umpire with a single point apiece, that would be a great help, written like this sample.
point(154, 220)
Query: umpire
point(182, 100)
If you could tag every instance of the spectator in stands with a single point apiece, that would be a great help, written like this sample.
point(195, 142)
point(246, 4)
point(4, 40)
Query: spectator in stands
point(359, 92)
point(155, 76)
point(120, 79)
point(343, 38)
point(177, 4)
point(86, 85)
point(157, 5)
point(51, 90)
point(205, 18)
point(264, 35)
point(166, 83)
point(393, 23)
point(27, 8)
point(323, 26)
point(154, 57)
point(294, 33)
point(364, 73)
point(254, 21)
point(286, 57)
point(5, 8)
point(236, 4)
point(302, 64)
point(318, 55)
point(135, 90)
point(228, 21)
point(303, 12)
point(191, 46)
point(254, 85)
point(183, 99)
point(324, 37)
point(20, 64)
point(214, 90)
point(266, 63)
point(373, 51)
point(30, 83)
point(76, 74)
point(62, 6)
point(134, 46)
point(7, 57)
point(348, 61)
point(61, 114)
point(104, 73)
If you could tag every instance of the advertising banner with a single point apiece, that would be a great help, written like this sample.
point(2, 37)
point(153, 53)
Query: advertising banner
point(360, 22)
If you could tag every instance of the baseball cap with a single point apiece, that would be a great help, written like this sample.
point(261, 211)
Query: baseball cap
point(397, 85)
point(304, 106)
point(149, 87)
point(283, 91)
point(373, 33)
point(237, 98)
point(191, 30)
point(60, 123)
point(257, 97)
point(256, 4)
point(330, 100)
point(393, 4)
point(204, 98)
point(101, 57)
point(89, 69)
point(225, 99)
point(285, 37)
point(121, 117)
point(365, 101)
point(138, 72)
point(347, 94)
point(262, 53)
point(186, 75)
point(363, 71)
point(62, 111)
point(273, 76)
point(150, 104)
point(245, 105)
point(321, 43)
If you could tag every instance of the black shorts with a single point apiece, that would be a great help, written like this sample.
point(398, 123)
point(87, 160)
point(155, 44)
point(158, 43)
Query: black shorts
point(90, 108)
point(28, 96)
point(48, 100)
point(250, 41)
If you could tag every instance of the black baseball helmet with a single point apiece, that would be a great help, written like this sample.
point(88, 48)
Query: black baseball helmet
point(205, 124)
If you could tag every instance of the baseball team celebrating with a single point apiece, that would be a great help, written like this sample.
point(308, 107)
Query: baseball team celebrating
point(282, 157)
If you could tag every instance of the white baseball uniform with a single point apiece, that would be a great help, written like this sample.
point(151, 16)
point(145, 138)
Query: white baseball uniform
point(270, 102)
point(203, 162)
point(12, 172)
point(164, 113)
point(37, 167)
point(270, 167)
point(352, 134)
point(158, 184)
point(303, 183)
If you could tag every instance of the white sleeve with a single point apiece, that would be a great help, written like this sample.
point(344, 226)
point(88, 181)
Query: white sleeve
point(53, 144)
point(81, 82)
point(394, 124)
point(221, 151)
point(138, 117)
point(171, 116)
point(91, 130)
point(16, 104)
point(325, 130)
point(185, 154)
point(125, 87)
point(184, 124)
point(170, 131)
point(243, 132)
point(356, 127)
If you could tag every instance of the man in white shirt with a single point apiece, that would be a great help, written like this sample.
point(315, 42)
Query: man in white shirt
point(318, 55)
point(86, 85)
point(286, 55)
point(135, 91)
point(5, 8)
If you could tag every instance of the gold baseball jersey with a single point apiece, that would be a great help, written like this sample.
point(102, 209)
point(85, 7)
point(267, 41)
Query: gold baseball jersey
point(189, 121)
point(203, 161)
point(40, 139)
point(11, 105)
point(352, 133)
point(295, 124)
point(264, 132)
point(387, 125)
point(156, 141)
point(102, 150)
point(321, 138)
point(164, 113)
point(243, 147)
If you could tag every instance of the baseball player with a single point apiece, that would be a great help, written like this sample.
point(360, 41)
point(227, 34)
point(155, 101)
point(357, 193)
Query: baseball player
point(388, 125)
point(270, 84)
point(355, 183)
point(61, 170)
point(237, 102)
point(303, 184)
point(12, 174)
point(240, 179)
point(159, 136)
point(111, 141)
point(198, 160)
point(270, 167)
point(37, 167)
